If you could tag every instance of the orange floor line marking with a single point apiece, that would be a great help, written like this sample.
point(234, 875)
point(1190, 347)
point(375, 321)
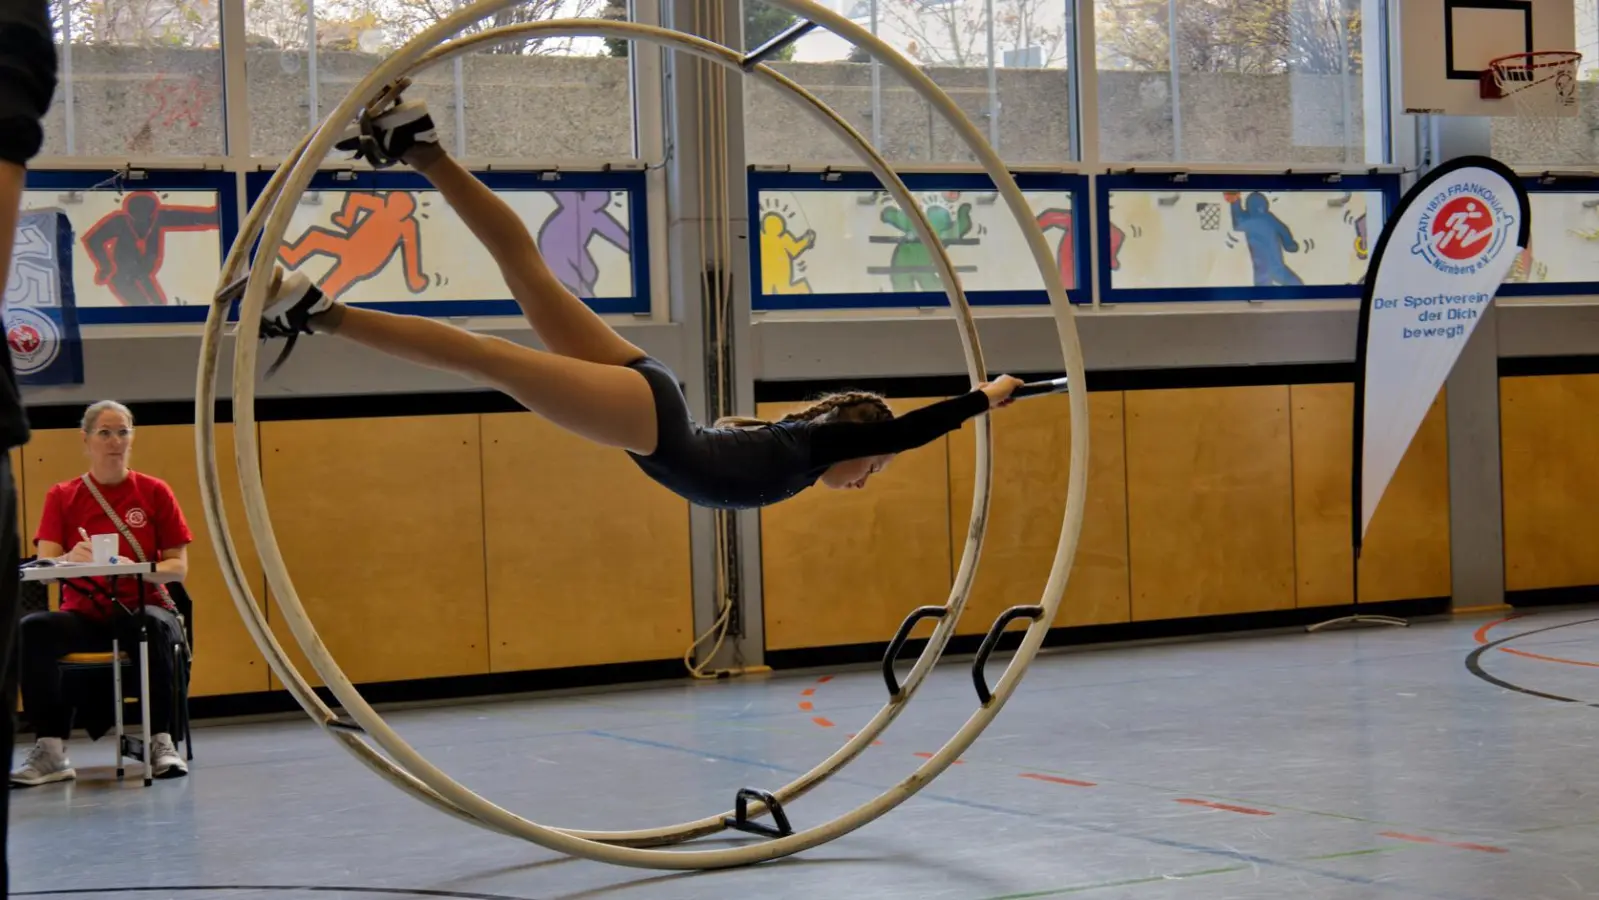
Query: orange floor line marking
point(1553, 659)
point(805, 705)
point(807, 692)
point(1421, 839)
point(824, 679)
point(822, 722)
point(1055, 779)
point(1229, 808)
point(958, 762)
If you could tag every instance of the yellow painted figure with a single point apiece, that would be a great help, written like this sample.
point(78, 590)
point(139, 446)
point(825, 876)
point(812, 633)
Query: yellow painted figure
point(780, 248)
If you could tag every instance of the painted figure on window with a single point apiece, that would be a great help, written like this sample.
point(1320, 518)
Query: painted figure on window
point(1362, 243)
point(1268, 239)
point(910, 267)
point(128, 245)
point(780, 253)
point(579, 217)
point(372, 227)
point(1066, 250)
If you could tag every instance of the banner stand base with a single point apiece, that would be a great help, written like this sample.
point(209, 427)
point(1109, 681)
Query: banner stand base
point(1358, 619)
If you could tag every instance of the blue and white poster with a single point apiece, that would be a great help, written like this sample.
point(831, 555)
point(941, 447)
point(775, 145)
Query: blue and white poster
point(1439, 262)
point(41, 314)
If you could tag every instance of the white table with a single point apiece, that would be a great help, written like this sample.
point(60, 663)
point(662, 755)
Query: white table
point(70, 571)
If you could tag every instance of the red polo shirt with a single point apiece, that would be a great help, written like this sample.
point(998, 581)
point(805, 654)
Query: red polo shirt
point(146, 505)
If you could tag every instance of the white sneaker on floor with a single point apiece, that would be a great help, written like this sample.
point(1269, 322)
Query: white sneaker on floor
point(165, 761)
point(47, 762)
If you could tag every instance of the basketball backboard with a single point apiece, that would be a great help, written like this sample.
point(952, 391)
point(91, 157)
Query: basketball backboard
point(1446, 45)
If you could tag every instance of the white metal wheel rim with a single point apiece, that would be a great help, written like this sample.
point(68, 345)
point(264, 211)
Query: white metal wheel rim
point(450, 793)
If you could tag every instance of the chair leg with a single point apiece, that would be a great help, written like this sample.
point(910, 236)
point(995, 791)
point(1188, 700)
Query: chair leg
point(116, 690)
point(144, 708)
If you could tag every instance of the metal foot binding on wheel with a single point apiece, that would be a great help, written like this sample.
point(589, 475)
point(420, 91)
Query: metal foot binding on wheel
point(376, 744)
point(740, 819)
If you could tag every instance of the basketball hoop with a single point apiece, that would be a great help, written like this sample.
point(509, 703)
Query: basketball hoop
point(1552, 72)
point(1542, 88)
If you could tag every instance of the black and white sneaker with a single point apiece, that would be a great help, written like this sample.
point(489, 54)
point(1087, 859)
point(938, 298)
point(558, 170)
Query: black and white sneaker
point(288, 314)
point(387, 137)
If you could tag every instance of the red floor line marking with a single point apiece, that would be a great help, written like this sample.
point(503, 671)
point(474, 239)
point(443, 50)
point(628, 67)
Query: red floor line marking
point(1553, 659)
point(1052, 779)
point(1481, 635)
point(805, 705)
point(1229, 808)
point(1420, 839)
point(824, 679)
point(807, 692)
point(958, 762)
point(822, 722)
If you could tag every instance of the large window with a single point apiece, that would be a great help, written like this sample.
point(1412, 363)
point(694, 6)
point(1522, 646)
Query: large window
point(1242, 81)
point(529, 99)
point(138, 78)
point(1004, 62)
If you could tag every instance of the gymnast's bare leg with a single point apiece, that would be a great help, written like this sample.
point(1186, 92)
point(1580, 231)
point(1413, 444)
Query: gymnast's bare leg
point(582, 382)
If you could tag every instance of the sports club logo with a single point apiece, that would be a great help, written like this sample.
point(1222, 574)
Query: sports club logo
point(33, 339)
point(136, 517)
point(1462, 228)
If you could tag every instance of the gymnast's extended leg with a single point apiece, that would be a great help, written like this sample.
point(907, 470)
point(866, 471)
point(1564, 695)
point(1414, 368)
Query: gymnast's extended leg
point(609, 404)
point(564, 323)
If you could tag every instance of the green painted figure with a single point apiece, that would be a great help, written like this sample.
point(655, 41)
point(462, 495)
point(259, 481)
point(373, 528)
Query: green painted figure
point(911, 265)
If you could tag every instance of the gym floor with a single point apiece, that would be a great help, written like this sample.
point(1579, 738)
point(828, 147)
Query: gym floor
point(1358, 763)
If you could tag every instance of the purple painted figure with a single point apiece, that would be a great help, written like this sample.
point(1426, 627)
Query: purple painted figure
point(565, 235)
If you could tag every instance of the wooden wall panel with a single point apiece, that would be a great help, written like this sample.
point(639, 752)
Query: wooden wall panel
point(1210, 507)
point(1032, 456)
point(381, 526)
point(588, 559)
point(1549, 429)
point(1405, 554)
point(845, 567)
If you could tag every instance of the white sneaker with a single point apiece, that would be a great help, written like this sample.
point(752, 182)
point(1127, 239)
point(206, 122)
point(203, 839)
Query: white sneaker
point(393, 133)
point(288, 313)
point(165, 762)
point(47, 762)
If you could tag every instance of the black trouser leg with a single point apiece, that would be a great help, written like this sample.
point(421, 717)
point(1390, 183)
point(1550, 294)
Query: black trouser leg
point(163, 633)
point(45, 638)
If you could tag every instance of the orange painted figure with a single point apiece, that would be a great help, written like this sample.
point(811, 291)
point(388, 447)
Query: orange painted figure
point(375, 226)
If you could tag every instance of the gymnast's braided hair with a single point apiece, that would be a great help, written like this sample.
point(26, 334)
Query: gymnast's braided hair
point(846, 406)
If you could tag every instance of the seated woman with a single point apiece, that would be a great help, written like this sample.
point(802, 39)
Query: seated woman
point(151, 527)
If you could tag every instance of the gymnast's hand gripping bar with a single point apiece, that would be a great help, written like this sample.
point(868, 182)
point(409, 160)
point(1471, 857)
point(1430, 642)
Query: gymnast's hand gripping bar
point(1039, 388)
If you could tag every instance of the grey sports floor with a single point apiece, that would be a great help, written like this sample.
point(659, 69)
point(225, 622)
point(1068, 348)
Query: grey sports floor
point(1367, 763)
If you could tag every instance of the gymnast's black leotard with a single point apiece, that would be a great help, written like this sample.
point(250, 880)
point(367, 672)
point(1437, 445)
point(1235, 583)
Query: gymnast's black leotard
point(743, 468)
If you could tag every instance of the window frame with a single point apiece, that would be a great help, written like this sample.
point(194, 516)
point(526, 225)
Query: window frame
point(632, 181)
point(1388, 185)
point(856, 181)
point(86, 180)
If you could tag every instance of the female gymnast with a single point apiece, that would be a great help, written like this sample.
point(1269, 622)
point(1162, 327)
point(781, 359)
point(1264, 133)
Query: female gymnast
point(597, 384)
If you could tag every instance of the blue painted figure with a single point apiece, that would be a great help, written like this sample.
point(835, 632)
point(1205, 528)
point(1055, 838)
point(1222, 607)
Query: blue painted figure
point(1268, 238)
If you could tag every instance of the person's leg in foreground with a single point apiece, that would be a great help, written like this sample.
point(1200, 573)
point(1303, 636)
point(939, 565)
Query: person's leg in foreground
point(582, 383)
point(27, 84)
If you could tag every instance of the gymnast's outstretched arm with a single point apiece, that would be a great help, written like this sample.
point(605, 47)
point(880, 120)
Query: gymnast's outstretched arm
point(833, 442)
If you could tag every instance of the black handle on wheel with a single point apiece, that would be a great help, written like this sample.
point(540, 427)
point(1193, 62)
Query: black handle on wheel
point(1038, 388)
point(898, 643)
point(741, 820)
point(984, 695)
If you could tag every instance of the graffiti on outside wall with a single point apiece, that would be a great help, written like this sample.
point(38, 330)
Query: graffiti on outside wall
point(174, 101)
point(128, 244)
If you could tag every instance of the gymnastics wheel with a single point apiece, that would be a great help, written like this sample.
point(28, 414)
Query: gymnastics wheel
point(361, 727)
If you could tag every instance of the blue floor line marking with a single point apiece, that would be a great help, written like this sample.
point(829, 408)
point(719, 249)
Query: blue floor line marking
point(1170, 843)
